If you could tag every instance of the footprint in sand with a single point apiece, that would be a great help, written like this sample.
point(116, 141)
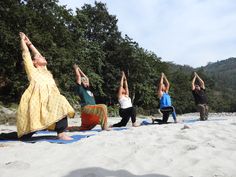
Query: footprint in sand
point(191, 147)
point(211, 145)
point(183, 137)
point(17, 165)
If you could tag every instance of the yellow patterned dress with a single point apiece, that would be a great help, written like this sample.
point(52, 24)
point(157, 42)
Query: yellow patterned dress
point(41, 105)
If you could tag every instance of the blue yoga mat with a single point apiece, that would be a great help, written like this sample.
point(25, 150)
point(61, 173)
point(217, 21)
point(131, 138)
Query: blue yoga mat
point(145, 122)
point(46, 132)
point(190, 121)
point(51, 140)
point(149, 122)
point(112, 129)
point(50, 137)
point(197, 120)
point(119, 128)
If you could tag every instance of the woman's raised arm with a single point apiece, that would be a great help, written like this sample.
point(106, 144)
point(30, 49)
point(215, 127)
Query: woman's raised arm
point(32, 47)
point(29, 66)
point(167, 83)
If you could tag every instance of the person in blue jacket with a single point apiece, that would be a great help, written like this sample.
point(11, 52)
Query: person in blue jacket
point(166, 107)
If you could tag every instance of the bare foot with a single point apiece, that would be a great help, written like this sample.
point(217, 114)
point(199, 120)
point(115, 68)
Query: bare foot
point(63, 136)
point(106, 128)
point(135, 125)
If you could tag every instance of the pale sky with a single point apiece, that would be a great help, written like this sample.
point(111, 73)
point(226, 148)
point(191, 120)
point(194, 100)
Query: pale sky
point(186, 32)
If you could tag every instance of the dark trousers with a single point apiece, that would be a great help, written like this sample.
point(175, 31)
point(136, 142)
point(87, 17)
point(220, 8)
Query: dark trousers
point(60, 127)
point(126, 114)
point(165, 114)
point(203, 109)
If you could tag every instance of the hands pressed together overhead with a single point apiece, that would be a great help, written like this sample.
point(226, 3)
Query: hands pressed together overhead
point(25, 38)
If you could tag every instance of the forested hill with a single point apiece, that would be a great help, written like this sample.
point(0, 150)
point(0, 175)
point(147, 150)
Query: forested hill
point(184, 68)
point(220, 80)
point(90, 37)
point(223, 72)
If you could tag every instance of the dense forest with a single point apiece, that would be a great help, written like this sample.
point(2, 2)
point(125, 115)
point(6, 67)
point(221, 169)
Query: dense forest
point(90, 37)
point(223, 73)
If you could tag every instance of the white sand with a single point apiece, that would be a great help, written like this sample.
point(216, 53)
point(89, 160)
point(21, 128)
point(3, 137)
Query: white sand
point(199, 149)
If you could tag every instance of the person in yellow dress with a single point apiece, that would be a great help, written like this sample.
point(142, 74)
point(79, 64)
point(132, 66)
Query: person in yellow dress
point(41, 105)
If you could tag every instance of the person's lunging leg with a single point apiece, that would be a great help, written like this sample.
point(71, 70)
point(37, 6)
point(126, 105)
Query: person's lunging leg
point(125, 114)
point(61, 125)
point(201, 109)
point(206, 111)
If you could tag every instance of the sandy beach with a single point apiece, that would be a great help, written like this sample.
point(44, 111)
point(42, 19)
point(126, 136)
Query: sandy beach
point(186, 149)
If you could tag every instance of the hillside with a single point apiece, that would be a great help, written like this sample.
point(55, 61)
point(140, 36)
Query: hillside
point(223, 72)
point(184, 68)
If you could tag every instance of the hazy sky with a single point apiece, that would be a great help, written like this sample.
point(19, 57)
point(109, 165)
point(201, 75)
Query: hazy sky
point(191, 32)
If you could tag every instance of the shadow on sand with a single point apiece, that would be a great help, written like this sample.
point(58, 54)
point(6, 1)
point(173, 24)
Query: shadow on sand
point(100, 172)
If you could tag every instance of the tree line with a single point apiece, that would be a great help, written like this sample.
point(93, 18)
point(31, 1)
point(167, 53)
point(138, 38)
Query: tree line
point(90, 38)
